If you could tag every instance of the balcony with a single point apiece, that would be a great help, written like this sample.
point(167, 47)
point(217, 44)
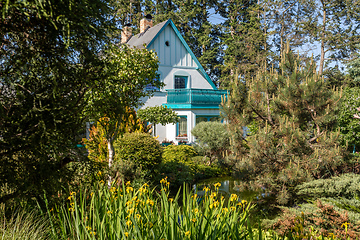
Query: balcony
point(194, 98)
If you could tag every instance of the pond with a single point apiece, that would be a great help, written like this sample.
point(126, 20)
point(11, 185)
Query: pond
point(230, 186)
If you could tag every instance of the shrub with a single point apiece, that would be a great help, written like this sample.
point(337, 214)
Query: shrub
point(345, 186)
point(178, 153)
point(212, 137)
point(141, 149)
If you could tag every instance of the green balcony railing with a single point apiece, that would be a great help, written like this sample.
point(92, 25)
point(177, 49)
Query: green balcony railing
point(195, 96)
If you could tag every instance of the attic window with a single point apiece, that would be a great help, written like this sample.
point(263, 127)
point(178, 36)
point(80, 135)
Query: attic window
point(167, 43)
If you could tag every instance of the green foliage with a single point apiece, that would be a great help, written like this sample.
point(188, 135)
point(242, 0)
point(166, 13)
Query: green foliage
point(141, 213)
point(178, 153)
point(343, 186)
point(349, 127)
point(354, 70)
point(119, 91)
point(141, 148)
point(318, 219)
point(213, 138)
point(49, 58)
point(24, 225)
point(181, 165)
point(158, 114)
point(294, 112)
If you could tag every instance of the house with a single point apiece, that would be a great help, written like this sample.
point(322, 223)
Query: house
point(188, 89)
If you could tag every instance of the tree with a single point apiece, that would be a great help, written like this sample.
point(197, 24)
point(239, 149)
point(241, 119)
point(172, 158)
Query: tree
point(334, 26)
point(128, 72)
point(49, 58)
point(289, 113)
point(213, 137)
point(158, 115)
point(244, 39)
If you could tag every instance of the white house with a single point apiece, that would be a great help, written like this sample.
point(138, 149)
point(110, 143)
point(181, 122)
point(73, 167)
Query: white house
point(188, 89)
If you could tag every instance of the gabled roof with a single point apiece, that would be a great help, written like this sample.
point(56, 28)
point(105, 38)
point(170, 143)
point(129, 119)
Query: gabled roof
point(148, 37)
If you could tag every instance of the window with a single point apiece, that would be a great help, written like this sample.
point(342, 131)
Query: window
point(151, 87)
point(181, 128)
point(180, 82)
point(200, 119)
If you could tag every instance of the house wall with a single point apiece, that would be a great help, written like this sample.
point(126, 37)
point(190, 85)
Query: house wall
point(176, 60)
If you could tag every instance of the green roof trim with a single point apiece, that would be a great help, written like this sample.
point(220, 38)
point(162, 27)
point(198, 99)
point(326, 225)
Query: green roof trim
point(190, 106)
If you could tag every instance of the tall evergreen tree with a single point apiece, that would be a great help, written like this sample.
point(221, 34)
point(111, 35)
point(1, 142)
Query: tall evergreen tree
point(49, 55)
point(288, 113)
point(244, 39)
point(334, 26)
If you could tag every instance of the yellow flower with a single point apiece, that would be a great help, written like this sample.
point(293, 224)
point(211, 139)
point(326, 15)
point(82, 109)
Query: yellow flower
point(232, 208)
point(193, 220)
point(164, 180)
point(171, 199)
point(128, 203)
point(194, 196)
point(128, 183)
point(150, 224)
point(126, 234)
point(206, 189)
point(217, 185)
point(195, 210)
point(109, 212)
point(98, 173)
point(138, 216)
point(71, 209)
point(88, 228)
point(225, 210)
point(130, 211)
point(102, 182)
point(146, 185)
point(113, 189)
point(73, 193)
point(244, 202)
point(233, 197)
point(213, 195)
point(129, 189)
point(92, 233)
point(149, 201)
point(215, 204)
point(128, 223)
point(91, 194)
point(187, 233)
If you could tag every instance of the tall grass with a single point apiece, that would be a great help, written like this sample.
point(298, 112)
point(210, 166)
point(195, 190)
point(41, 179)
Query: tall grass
point(25, 226)
point(128, 213)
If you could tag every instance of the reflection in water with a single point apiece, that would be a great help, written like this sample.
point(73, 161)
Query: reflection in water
point(228, 186)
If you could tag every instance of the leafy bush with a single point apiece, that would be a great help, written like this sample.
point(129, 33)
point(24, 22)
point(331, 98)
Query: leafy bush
point(313, 220)
point(181, 165)
point(213, 138)
point(344, 186)
point(178, 153)
point(141, 149)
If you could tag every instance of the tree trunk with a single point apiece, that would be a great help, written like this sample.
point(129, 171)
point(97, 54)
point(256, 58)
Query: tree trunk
point(322, 54)
point(110, 157)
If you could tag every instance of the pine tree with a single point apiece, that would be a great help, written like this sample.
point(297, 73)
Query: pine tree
point(244, 39)
point(288, 113)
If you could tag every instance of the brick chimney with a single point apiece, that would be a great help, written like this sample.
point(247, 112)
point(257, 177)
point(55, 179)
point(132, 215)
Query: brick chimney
point(126, 33)
point(146, 23)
